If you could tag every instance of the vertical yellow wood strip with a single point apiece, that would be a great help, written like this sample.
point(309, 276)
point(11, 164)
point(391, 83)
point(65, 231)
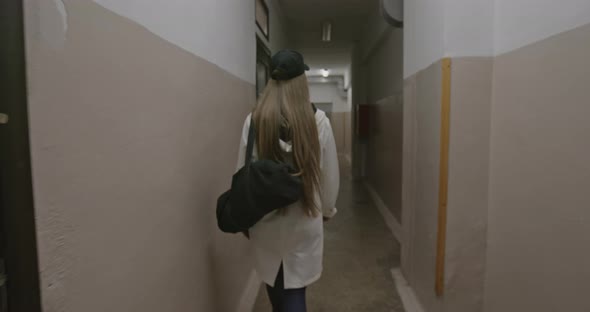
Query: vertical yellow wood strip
point(444, 176)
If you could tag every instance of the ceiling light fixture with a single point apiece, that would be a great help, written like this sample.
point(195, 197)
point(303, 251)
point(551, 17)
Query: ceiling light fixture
point(326, 31)
point(325, 73)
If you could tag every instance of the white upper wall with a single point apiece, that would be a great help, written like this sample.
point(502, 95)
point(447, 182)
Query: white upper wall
point(469, 28)
point(438, 28)
point(329, 93)
point(220, 31)
point(522, 22)
point(424, 34)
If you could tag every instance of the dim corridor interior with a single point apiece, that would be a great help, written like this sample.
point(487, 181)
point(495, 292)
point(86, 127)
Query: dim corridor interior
point(120, 123)
point(359, 253)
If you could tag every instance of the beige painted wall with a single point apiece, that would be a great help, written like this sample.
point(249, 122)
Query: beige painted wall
point(471, 89)
point(408, 176)
point(468, 183)
point(128, 156)
point(538, 256)
point(384, 84)
point(384, 151)
point(420, 188)
point(195, 26)
point(518, 174)
point(516, 232)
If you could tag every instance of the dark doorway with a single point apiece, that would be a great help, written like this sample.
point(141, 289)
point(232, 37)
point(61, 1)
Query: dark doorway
point(262, 66)
point(18, 252)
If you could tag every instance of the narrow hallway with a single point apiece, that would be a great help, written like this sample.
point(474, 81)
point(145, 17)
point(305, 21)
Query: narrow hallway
point(120, 126)
point(359, 253)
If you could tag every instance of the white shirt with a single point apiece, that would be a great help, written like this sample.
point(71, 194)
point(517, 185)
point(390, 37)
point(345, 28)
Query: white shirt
point(291, 237)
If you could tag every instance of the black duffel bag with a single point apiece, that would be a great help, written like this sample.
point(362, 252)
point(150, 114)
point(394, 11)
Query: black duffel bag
point(257, 189)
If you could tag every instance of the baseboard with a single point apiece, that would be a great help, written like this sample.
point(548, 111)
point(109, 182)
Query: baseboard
point(406, 293)
point(389, 218)
point(250, 293)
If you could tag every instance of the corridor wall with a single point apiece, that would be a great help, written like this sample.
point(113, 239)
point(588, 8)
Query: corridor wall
point(539, 170)
point(136, 109)
point(515, 153)
point(377, 76)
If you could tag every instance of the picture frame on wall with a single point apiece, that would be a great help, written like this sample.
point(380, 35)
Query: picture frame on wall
point(263, 18)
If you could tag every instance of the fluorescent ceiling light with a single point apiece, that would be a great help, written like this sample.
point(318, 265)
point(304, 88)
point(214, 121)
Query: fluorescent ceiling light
point(325, 73)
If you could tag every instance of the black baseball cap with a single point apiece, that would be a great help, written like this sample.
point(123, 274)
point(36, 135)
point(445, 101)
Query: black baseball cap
point(287, 64)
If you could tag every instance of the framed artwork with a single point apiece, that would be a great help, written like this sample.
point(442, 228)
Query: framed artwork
point(262, 18)
point(262, 66)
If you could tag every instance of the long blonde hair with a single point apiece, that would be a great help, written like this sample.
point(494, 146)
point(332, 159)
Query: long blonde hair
point(285, 108)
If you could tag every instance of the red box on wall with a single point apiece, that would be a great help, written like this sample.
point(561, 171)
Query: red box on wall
point(363, 125)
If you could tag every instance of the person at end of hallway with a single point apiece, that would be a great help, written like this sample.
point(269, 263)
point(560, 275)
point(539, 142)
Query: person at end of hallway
point(288, 243)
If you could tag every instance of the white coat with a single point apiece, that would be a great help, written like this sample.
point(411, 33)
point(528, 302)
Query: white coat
point(291, 237)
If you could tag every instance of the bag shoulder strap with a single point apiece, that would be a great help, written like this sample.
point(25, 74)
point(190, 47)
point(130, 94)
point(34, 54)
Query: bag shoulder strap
point(250, 146)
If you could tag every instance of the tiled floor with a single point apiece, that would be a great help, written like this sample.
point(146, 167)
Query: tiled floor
point(359, 254)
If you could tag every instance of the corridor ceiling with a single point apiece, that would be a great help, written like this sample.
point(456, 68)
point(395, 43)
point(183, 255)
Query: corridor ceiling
point(348, 17)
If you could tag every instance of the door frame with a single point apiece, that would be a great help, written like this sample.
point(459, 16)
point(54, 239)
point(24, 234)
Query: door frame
point(263, 57)
point(16, 190)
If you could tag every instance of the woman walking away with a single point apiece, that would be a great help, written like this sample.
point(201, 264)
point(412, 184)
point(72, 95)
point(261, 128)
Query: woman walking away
point(288, 243)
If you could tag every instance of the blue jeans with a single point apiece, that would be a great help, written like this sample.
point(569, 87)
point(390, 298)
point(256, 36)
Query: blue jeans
point(286, 300)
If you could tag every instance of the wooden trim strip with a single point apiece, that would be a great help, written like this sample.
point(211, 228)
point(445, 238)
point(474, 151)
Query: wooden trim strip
point(443, 176)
